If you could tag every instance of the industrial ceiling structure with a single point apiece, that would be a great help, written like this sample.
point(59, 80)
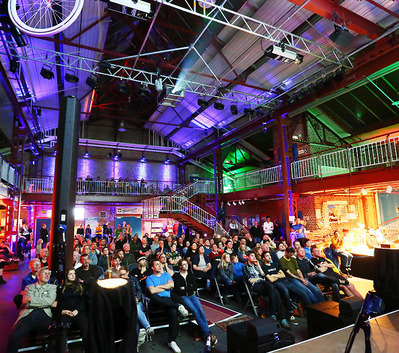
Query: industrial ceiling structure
point(204, 74)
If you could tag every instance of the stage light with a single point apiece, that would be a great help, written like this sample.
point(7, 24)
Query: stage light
point(143, 160)
point(14, 66)
point(259, 113)
point(341, 36)
point(202, 102)
point(104, 64)
point(234, 203)
point(218, 106)
point(242, 202)
point(46, 72)
point(122, 87)
point(86, 155)
point(39, 111)
point(389, 189)
point(71, 77)
point(167, 160)
point(92, 82)
point(248, 110)
point(158, 85)
point(121, 127)
point(228, 204)
point(144, 91)
point(233, 109)
point(205, 5)
point(364, 192)
point(280, 53)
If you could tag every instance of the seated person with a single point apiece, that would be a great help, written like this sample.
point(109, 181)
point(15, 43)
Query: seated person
point(128, 257)
point(165, 265)
point(87, 274)
point(72, 310)
point(226, 276)
point(281, 250)
point(185, 286)
point(242, 253)
point(337, 249)
point(327, 267)
point(31, 278)
point(141, 272)
point(159, 285)
point(202, 265)
point(371, 240)
point(103, 259)
point(310, 293)
point(92, 256)
point(145, 249)
point(35, 313)
point(255, 278)
point(44, 257)
point(174, 257)
point(191, 250)
point(274, 275)
point(5, 254)
point(310, 272)
point(238, 266)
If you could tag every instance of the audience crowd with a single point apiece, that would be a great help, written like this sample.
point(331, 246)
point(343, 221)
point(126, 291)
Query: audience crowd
point(168, 270)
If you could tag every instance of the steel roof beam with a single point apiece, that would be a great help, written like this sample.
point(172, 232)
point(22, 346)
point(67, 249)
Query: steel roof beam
point(339, 14)
point(261, 29)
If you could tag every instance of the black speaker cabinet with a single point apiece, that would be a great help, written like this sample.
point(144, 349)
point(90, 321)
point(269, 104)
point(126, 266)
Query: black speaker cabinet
point(350, 306)
point(257, 336)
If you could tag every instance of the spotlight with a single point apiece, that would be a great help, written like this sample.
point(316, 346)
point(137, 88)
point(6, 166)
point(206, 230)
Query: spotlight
point(143, 160)
point(389, 189)
point(144, 91)
point(39, 111)
point(259, 112)
point(228, 204)
point(242, 202)
point(104, 64)
point(218, 106)
point(233, 109)
point(92, 82)
point(234, 203)
point(364, 191)
point(239, 202)
point(117, 156)
point(122, 87)
point(278, 52)
point(158, 85)
point(202, 102)
point(14, 66)
point(167, 160)
point(122, 126)
point(46, 72)
point(341, 36)
point(71, 77)
point(86, 155)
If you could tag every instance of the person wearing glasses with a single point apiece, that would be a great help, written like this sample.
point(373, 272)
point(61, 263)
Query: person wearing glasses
point(35, 313)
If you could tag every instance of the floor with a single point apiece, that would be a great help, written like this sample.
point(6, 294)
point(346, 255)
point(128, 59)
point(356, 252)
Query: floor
point(186, 341)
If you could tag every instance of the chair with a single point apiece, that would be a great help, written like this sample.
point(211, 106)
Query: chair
point(250, 300)
point(218, 291)
point(101, 272)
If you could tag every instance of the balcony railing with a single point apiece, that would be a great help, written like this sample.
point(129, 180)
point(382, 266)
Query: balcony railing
point(253, 179)
point(102, 187)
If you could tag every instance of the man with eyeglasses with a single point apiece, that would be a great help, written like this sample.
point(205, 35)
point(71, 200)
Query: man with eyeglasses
point(35, 313)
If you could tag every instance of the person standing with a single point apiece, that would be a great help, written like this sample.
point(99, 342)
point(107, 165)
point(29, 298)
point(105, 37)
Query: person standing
point(268, 227)
point(256, 232)
point(221, 214)
point(44, 234)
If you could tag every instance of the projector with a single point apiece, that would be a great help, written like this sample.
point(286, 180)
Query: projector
point(137, 5)
point(280, 53)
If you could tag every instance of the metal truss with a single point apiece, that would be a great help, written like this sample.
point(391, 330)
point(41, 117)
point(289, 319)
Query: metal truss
point(98, 67)
point(258, 28)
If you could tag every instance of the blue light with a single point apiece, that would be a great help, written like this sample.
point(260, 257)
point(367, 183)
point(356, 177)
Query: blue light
point(86, 155)
point(167, 161)
point(143, 160)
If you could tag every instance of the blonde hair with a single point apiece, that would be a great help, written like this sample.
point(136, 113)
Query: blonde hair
point(223, 264)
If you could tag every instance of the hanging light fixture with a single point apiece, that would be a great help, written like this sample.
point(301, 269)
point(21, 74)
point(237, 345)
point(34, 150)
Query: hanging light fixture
point(364, 192)
point(121, 127)
point(389, 189)
point(234, 203)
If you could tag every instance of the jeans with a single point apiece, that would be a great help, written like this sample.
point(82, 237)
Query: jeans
point(194, 306)
point(142, 319)
point(37, 320)
point(171, 306)
point(346, 257)
point(265, 288)
point(283, 288)
point(310, 294)
point(326, 281)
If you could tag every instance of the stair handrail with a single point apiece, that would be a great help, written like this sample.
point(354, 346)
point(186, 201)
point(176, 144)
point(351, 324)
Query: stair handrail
point(390, 229)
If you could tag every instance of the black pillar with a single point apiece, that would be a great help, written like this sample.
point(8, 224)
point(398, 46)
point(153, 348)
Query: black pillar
point(64, 196)
point(218, 174)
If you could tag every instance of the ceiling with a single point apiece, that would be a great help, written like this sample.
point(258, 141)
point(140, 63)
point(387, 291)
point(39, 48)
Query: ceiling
point(215, 54)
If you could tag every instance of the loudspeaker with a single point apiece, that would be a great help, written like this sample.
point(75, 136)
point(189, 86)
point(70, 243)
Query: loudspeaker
point(350, 306)
point(262, 330)
point(341, 36)
point(257, 336)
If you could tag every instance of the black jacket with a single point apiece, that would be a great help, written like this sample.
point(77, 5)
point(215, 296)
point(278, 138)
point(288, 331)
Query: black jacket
point(185, 286)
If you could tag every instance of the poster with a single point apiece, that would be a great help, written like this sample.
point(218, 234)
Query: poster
point(335, 212)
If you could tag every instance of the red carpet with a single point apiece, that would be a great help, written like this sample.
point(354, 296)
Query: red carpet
point(216, 313)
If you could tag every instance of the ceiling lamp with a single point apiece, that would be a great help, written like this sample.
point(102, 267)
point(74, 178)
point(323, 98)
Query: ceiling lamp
point(92, 82)
point(202, 102)
point(71, 77)
point(280, 53)
point(228, 203)
point(86, 155)
point(121, 127)
point(143, 160)
point(234, 203)
point(389, 189)
point(363, 191)
point(167, 160)
point(341, 36)
point(233, 109)
point(46, 72)
point(218, 106)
